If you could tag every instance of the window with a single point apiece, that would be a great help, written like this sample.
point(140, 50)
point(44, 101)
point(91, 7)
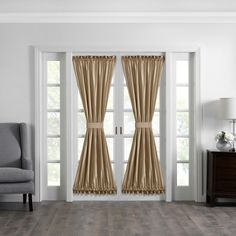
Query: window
point(183, 93)
point(53, 115)
point(182, 122)
point(53, 123)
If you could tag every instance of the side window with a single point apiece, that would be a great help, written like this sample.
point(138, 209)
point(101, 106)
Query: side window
point(53, 122)
point(182, 121)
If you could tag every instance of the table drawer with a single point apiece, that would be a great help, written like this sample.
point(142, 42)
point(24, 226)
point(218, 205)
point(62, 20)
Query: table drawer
point(225, 186)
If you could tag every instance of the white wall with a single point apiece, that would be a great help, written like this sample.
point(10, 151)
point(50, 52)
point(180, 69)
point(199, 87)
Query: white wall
point(17, 59)
point(115, 5)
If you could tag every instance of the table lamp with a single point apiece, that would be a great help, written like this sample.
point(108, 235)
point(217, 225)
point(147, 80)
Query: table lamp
point(228, 112)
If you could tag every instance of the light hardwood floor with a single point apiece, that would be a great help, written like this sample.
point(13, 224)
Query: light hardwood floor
point(116, 219)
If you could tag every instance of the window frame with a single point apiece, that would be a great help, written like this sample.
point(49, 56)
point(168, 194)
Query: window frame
point(70, 149)
point(185, 192)
point(51, 192)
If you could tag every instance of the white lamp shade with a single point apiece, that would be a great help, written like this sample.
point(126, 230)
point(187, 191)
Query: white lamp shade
point(228, 108)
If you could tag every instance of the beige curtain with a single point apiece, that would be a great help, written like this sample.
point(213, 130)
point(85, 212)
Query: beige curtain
point(143, 174)
point(94, 173)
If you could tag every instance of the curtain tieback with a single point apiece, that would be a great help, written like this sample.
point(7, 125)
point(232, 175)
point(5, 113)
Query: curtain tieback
point(95, 125)
point(143, 124)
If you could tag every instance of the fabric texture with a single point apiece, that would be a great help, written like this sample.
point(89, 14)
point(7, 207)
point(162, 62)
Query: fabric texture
point(15, 175)
point(94, 174)
point(143, 173)
point(11, 188)
point(26, 162)
point(10, 146)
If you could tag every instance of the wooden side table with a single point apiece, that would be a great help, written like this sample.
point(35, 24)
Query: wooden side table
point(221, 176)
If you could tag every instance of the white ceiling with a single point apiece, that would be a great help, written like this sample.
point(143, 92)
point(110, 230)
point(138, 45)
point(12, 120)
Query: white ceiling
point(116, 5)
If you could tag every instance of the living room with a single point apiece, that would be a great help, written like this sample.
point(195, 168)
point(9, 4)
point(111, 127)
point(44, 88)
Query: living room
point(121, 107)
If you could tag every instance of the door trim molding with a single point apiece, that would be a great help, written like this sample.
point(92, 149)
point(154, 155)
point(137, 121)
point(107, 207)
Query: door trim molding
point(199, 135)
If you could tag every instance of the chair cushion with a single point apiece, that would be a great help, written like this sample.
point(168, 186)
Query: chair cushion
point(24, 187)
point(15, 175)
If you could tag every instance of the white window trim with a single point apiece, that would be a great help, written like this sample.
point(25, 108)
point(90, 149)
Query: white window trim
point(199, 74)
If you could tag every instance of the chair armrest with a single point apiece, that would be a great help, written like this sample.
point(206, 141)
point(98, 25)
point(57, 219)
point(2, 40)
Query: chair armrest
point(27, 164)
point(26, 161)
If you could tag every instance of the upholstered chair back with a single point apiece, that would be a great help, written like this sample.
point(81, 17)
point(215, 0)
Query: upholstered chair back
point(10, 145)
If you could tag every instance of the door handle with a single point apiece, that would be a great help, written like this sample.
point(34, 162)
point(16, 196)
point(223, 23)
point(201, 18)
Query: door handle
point(116, 130)
point(121, 130)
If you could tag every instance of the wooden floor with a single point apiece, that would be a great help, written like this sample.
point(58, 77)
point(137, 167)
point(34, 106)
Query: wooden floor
point(116, 219)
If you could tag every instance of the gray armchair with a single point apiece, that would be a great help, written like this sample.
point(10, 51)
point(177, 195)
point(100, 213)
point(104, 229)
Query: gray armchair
point(16, 174)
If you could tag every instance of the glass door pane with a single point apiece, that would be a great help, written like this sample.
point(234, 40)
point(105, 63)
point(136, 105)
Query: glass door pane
point(182, 122)
point(53, 122)
point(129, 123)
point(184, 157)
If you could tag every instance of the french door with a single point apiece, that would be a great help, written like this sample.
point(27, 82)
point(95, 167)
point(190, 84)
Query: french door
point(119, 127)
point(64, 125)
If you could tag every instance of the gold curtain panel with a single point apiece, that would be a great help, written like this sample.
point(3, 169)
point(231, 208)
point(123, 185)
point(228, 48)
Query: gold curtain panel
point(143, 173)
point(93, 75)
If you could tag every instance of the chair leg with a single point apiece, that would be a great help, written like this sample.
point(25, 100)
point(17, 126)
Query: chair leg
point(30, 202)
point(24, 198)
